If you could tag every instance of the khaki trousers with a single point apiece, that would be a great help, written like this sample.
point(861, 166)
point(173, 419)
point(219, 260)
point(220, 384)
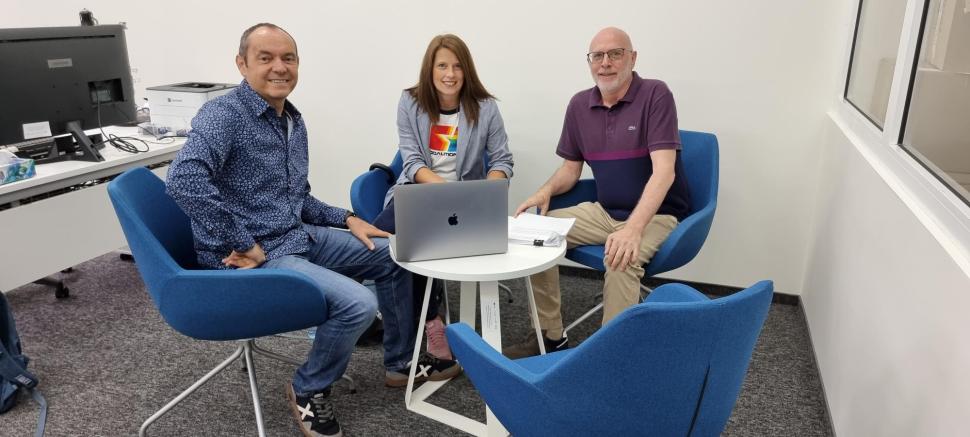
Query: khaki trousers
point(621, 289)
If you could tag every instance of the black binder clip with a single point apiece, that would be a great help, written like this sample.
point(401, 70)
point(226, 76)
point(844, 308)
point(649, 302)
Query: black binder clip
point(538, 242)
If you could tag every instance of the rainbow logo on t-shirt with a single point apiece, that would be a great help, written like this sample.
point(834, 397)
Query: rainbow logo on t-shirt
point(444, 138)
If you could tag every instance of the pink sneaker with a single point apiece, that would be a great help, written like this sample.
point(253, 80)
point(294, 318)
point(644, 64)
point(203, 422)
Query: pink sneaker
point(437, 343)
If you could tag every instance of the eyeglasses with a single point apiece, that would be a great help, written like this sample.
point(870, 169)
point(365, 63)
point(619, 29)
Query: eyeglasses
point(614, 55)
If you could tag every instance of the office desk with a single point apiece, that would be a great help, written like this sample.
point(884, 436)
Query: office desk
point(45, 236)
point(484, 271)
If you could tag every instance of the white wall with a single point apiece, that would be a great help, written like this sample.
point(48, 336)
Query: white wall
point(886, 306)
point(887, 279)
point(757, 75)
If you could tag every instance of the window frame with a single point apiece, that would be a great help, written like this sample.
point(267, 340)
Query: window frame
point(912, 150)
point(944, 213)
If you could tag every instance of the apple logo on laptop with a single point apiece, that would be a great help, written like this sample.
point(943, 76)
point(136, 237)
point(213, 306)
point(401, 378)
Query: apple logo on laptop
point(453, 220)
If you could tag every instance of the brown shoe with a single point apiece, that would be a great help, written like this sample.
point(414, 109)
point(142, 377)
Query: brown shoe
point(530, 347)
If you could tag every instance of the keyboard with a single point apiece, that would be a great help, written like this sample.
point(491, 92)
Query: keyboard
point(33, 149)
point(40, 148)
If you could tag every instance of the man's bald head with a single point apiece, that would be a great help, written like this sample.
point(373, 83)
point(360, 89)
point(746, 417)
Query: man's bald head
point(611, 60)
point(612, 35)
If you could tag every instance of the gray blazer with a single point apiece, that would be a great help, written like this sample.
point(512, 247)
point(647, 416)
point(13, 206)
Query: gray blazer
point(487, 136)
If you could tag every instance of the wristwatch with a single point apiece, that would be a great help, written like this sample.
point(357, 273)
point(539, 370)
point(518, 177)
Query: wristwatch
point(348, 216)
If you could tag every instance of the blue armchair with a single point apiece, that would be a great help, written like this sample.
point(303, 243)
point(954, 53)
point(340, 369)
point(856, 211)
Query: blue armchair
point(368, 190)
point(672, 365)
point(700, 161)
point(216, 305)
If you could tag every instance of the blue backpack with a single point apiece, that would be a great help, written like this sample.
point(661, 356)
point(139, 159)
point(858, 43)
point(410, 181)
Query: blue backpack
point(13, 367)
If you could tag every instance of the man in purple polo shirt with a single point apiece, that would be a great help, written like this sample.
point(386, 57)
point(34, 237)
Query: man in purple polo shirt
point(625, 128)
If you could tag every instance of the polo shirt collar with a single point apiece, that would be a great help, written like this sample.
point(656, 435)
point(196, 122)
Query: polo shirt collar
point(596, 98)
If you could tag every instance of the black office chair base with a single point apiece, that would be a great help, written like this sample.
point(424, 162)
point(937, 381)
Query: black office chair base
point(60, 290)
point(244, 350)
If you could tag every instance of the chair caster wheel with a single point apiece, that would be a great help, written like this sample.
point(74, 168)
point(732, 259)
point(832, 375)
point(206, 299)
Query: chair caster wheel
point(62, 292)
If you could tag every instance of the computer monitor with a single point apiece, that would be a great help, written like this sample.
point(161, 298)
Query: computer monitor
point(63, 80)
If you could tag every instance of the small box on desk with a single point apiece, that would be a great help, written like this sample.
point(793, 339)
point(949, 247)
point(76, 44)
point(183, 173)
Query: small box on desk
point(16, 170)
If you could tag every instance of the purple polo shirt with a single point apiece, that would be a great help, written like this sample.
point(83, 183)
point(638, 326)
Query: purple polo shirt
point(616, 143)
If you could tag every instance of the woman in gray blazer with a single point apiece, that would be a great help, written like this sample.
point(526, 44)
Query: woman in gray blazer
point(447, 125)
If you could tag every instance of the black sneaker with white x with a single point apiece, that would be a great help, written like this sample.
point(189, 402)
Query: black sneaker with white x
point(430, 368)
point(314, 413)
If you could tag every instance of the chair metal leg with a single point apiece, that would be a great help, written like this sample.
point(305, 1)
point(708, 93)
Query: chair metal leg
point(644, 291)
point(582, 318)
point(353, 385)
point(643, 288)
point(254, 389)
point(287, 359)
point(276, 356)
point(245, 350)
point(235, 355)
point(507, 290)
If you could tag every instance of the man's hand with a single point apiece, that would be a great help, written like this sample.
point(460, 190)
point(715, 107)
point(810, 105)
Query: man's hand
point(251, 259)
point(540, 200)
point(622, 248)
point(363, 231)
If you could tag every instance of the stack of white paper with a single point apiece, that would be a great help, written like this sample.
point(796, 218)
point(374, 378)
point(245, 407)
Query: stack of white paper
point(539, 230)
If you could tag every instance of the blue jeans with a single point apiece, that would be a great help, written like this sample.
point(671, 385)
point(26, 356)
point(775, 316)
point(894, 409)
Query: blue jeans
point(336, 256)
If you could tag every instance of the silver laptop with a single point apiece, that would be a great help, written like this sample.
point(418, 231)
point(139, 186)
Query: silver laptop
point(450, 220)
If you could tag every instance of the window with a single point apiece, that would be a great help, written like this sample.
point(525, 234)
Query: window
point(873, 61)
point(936, 129)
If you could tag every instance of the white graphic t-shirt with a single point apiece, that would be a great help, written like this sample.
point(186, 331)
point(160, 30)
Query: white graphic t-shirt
point(444, 145)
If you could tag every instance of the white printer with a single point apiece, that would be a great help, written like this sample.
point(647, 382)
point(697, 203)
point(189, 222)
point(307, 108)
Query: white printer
point(173, 106)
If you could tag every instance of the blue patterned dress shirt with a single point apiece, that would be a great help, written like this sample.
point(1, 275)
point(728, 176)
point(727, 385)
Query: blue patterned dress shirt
point(242, 179)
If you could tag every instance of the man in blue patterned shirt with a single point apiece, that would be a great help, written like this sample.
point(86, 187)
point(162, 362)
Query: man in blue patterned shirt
point(242, 180)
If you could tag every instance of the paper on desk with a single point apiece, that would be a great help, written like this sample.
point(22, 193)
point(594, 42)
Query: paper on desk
point(539, 230)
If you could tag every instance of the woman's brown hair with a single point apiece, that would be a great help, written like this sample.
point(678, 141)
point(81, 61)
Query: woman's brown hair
point(472, 90)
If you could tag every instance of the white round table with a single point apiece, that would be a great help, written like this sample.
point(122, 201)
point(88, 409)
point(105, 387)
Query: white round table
point(484, 271)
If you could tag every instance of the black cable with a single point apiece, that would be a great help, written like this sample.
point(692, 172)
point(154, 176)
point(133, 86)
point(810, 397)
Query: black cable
point(121, 143)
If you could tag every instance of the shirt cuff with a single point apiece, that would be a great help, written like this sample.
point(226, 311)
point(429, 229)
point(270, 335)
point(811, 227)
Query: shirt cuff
point(502, 168)
point(663, 146)
point(244, 244)
point(569, 157)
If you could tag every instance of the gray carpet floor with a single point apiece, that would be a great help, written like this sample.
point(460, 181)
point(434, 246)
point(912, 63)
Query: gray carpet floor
point(107, 361)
